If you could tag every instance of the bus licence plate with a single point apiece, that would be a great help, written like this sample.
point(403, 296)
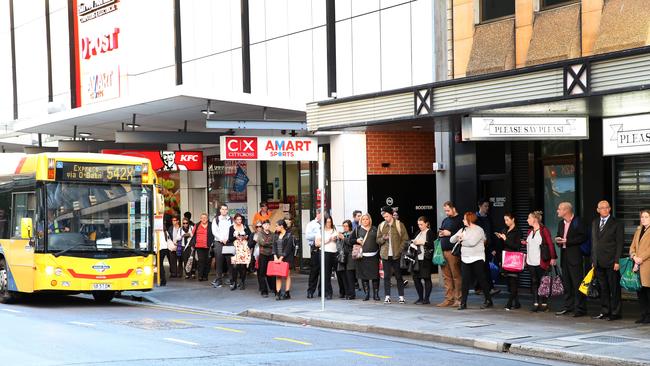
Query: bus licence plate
point(101, 286)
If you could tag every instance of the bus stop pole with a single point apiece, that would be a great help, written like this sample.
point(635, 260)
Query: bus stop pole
point(321, 189)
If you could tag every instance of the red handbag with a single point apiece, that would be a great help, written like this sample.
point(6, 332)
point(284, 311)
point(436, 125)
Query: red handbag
point(278, 269)
point(513, 261)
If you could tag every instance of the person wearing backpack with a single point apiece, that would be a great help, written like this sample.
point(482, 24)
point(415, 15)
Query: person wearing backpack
point(607, 247)
point(571, 234)
point(393, 239)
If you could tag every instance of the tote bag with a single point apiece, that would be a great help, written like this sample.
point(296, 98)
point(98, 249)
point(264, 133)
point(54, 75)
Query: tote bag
point(513, 261)
point(277, 269)
point(438, 255)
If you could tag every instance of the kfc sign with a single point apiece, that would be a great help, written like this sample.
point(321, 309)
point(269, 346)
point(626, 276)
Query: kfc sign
point(166, 160)
point(269, 148)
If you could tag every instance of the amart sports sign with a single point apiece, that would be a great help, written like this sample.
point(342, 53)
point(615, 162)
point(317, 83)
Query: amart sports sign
point(269, 148)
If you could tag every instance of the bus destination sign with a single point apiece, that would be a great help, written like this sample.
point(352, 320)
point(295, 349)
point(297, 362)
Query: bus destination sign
point(93, 172)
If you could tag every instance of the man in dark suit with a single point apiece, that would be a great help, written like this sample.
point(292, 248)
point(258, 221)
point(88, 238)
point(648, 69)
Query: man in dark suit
point(571, 233)
point(607, 246)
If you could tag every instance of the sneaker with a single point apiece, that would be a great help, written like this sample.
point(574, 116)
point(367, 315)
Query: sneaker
point(401, 300)
point(494, 291)
point(387, 300)
point(405, 283)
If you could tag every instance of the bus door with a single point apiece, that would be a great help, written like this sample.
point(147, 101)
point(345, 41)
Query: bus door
point(20, 251)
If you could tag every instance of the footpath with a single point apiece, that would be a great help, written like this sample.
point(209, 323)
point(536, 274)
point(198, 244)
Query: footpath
point(581, 340)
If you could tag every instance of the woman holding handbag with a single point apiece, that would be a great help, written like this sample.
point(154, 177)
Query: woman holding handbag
point(175, 249)
point(472, 256)
point(265, 243)
point(424, 241)
point(640, 254)
point(540, 256)
point(283, 251)
point(329, 247)
point(188, 252)
point(241, 238)
point(365, 253)
point(202, 238)
point(511, 244)
point(345, 273)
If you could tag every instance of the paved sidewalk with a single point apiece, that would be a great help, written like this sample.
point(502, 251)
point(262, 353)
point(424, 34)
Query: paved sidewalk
point(581, 340)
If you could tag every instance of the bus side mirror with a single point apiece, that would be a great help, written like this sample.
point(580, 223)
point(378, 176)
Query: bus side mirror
point(25, 228)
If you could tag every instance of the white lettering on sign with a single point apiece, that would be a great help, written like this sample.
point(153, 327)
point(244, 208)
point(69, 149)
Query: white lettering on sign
point(187, 157)
point(105, 43)
point(524, 127)
point(423, 207)
point(269, 148)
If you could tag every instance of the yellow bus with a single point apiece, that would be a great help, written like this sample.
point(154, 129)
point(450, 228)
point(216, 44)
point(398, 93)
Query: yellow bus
point(76, 223)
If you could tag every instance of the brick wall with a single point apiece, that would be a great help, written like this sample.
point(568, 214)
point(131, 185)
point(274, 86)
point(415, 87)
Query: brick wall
point(406, 152)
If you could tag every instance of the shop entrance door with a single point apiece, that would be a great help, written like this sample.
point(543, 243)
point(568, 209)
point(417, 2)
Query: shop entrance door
point(495, 188)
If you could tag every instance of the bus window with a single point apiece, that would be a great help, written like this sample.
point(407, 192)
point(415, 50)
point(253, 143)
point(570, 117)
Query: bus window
point(5, 199)
point(24, 205)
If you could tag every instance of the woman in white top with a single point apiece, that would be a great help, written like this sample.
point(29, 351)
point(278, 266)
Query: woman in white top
point(472, 241)
point(176, 250)
point(329, 247)
point(538, 237)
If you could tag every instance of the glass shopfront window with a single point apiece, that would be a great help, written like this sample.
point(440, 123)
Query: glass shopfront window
point(227, 181)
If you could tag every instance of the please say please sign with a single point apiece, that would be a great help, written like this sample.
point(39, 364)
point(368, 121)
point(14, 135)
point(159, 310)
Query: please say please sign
point(277, 148)
point(500, 128)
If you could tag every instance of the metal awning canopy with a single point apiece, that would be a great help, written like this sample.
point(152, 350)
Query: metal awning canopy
point(162, 111)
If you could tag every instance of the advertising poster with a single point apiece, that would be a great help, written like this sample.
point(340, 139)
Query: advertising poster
point(227, 183)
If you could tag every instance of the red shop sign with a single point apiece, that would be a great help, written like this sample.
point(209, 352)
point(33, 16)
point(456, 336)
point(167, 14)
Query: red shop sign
point(169, 161)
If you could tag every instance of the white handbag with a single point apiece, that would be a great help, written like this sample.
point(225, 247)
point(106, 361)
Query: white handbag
point(171, 246)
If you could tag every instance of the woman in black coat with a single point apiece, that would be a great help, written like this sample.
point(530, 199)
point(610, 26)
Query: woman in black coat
point(511, 243)
point(424, 242)
point(284, 247)
point(367, 267)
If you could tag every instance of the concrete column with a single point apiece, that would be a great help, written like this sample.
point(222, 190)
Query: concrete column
point(349, 175)
point(463, 34)
point(524, 15)
point(444, 179)
point(591, 13)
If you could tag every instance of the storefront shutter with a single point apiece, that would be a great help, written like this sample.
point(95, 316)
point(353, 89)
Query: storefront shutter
point(632, 192)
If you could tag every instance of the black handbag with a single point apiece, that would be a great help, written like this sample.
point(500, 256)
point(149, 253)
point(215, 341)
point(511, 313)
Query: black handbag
point(456, 249)
point(593, 291)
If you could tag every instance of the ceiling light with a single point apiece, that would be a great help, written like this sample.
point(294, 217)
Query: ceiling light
point(84, 134)
point(208, 113)
point(132, 125)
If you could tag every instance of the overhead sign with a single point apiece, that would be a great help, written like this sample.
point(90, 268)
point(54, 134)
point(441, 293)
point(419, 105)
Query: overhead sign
point(168, 161)
point(476, 128)
point(99, 71)
point(269, 148)
point(626, 135)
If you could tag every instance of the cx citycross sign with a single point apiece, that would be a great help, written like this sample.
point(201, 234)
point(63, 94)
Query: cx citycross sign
point(269, 148)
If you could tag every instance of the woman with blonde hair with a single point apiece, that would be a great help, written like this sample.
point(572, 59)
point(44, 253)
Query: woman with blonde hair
point(365, 237)
point(540, 256)
point(640, 254)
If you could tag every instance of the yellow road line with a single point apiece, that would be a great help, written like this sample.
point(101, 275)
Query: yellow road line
point(365, 354)
point(180, 321)
point(230, 329)
point(292, 341)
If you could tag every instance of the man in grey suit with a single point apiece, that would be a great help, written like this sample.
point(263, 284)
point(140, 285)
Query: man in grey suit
point(607, 245)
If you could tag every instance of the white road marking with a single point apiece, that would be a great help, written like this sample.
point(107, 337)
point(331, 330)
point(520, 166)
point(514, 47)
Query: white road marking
point(83, 324)
point(181, 341)
point(12, 311)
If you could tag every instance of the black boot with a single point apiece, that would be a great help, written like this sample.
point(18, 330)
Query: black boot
point(278, 295)
point(366, 290)
point(375, 290)
point(242, 286)
point(287, 295)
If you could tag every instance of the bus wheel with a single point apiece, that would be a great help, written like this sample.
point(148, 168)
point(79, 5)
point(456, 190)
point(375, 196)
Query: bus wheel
point(6, 296)
point(103, 297)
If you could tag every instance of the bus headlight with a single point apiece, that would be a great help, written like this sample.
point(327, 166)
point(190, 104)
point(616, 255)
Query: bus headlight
point(49, 270)
point(58, 271)
point(147, 270)
point(138, 271)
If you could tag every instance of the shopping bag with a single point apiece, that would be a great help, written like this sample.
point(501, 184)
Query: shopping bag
point(584, 286)
point(438, 255)
point(190, 262)
point(551, 284)
point(630, 280)
point(494, 272)
point(277, 269)
point(513, 261)
point(381, 269)
point(594, 288)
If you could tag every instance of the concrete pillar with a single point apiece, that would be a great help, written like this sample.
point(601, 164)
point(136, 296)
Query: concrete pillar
point(524, 16)
point(463, 31)
point(444, 182)
point(349, 175)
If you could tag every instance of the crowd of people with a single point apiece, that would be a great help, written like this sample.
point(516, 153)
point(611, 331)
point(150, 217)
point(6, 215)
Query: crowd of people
point(468, 252)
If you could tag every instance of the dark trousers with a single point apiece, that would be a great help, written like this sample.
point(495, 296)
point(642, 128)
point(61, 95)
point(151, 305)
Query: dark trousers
point(265, 282)
point(164, 253)
point(474, 271)
point(423, 292)
point(350, 282)
point(572, 276)
point(203, 266)
point(175, 264)
point(341, 278)
point(536, 273)
point(610, 290)
point(513, 288)
point(238, 271)
point(314, 271)
point(330, 266)
point(391, 266)
point(222, 262)
point(644, 301)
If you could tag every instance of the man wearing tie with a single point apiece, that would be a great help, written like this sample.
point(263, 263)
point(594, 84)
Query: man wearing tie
point(607, 245)
point(571, 233)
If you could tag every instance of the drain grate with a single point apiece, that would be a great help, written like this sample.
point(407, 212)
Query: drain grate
point(154, 324)
point(609, 339)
